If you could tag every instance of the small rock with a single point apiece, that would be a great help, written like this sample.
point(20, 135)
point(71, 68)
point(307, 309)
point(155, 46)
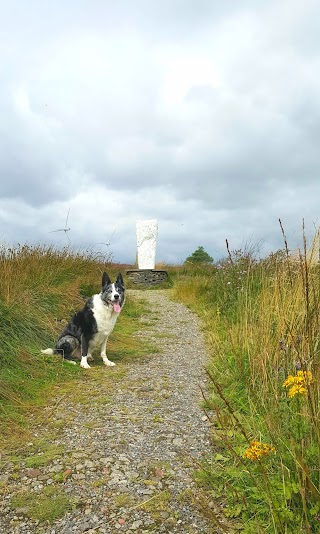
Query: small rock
point(159, 473)
point(106, 460)
point(33, 473)
point(135, 525)
point(55, 468)
point(78, 476)
point(147, 492)
point(22, 510)
point(123, 458)
point(177, 441)
point(43, 477)
point(79, 454)
point(85, 526)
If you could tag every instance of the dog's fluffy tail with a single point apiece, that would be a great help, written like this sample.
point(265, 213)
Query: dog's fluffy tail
point(50, 352)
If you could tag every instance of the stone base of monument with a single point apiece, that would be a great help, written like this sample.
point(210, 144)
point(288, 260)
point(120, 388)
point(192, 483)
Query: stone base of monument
point(146, 277)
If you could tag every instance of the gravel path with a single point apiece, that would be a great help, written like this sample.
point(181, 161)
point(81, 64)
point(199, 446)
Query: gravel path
point(130, 440)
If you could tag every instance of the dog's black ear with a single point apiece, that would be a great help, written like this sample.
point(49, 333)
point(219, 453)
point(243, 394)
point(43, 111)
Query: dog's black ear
point(119, 280)
point(105, 280)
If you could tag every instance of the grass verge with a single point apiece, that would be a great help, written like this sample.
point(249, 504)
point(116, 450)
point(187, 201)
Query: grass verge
point(261, 321)
point(40, 288)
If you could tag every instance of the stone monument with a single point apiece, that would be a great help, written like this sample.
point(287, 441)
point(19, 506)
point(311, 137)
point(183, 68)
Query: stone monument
point(146, 274)
point(147, 232)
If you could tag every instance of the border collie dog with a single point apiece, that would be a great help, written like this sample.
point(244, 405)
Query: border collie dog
point(90, 327)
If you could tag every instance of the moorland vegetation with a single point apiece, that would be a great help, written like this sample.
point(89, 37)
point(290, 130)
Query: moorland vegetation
point(260, 318)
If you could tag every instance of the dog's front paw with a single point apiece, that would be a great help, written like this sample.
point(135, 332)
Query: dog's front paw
point(108, 362)
point(84, 364)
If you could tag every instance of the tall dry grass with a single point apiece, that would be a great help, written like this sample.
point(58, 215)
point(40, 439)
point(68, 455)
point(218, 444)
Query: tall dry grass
point(39, 288)
point(261, 320)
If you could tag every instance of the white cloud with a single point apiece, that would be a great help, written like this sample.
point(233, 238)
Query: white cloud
point(204, 115)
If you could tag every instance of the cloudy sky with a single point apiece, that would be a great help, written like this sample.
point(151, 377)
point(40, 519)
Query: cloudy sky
point(202, 114)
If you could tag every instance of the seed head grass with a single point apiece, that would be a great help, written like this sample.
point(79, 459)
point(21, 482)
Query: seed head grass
point(264, 395)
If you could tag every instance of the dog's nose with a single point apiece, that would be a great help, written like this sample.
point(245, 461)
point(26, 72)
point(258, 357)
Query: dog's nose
point(116, 297)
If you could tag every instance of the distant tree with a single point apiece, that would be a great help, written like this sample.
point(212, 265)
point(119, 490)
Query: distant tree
point(199, 256)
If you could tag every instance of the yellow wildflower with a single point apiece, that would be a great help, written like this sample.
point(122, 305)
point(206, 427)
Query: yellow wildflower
point(298, 383)
point(296, 389)
point(306, 376)
point(289, 381)
point(257, 450)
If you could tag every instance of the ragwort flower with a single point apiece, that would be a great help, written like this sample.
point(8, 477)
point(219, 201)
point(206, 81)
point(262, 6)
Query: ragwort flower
point(297, 384)
point(257, 450)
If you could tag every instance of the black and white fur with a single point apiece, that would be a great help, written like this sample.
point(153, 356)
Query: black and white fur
point(90, 327)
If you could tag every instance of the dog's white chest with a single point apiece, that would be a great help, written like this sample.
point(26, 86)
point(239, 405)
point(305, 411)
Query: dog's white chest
point(105, 317)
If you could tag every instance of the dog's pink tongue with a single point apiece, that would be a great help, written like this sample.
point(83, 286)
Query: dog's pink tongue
point(116, 307)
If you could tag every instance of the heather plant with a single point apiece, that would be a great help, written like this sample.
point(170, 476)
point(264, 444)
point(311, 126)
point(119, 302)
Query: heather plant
point(261, 321)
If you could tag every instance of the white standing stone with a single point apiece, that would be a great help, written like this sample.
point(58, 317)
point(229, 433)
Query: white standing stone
point(146, 243)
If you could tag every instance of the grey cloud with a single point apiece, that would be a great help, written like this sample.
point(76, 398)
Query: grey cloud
point(205, 113)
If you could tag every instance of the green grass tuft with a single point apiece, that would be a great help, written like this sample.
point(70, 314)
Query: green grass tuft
point(46, 506)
